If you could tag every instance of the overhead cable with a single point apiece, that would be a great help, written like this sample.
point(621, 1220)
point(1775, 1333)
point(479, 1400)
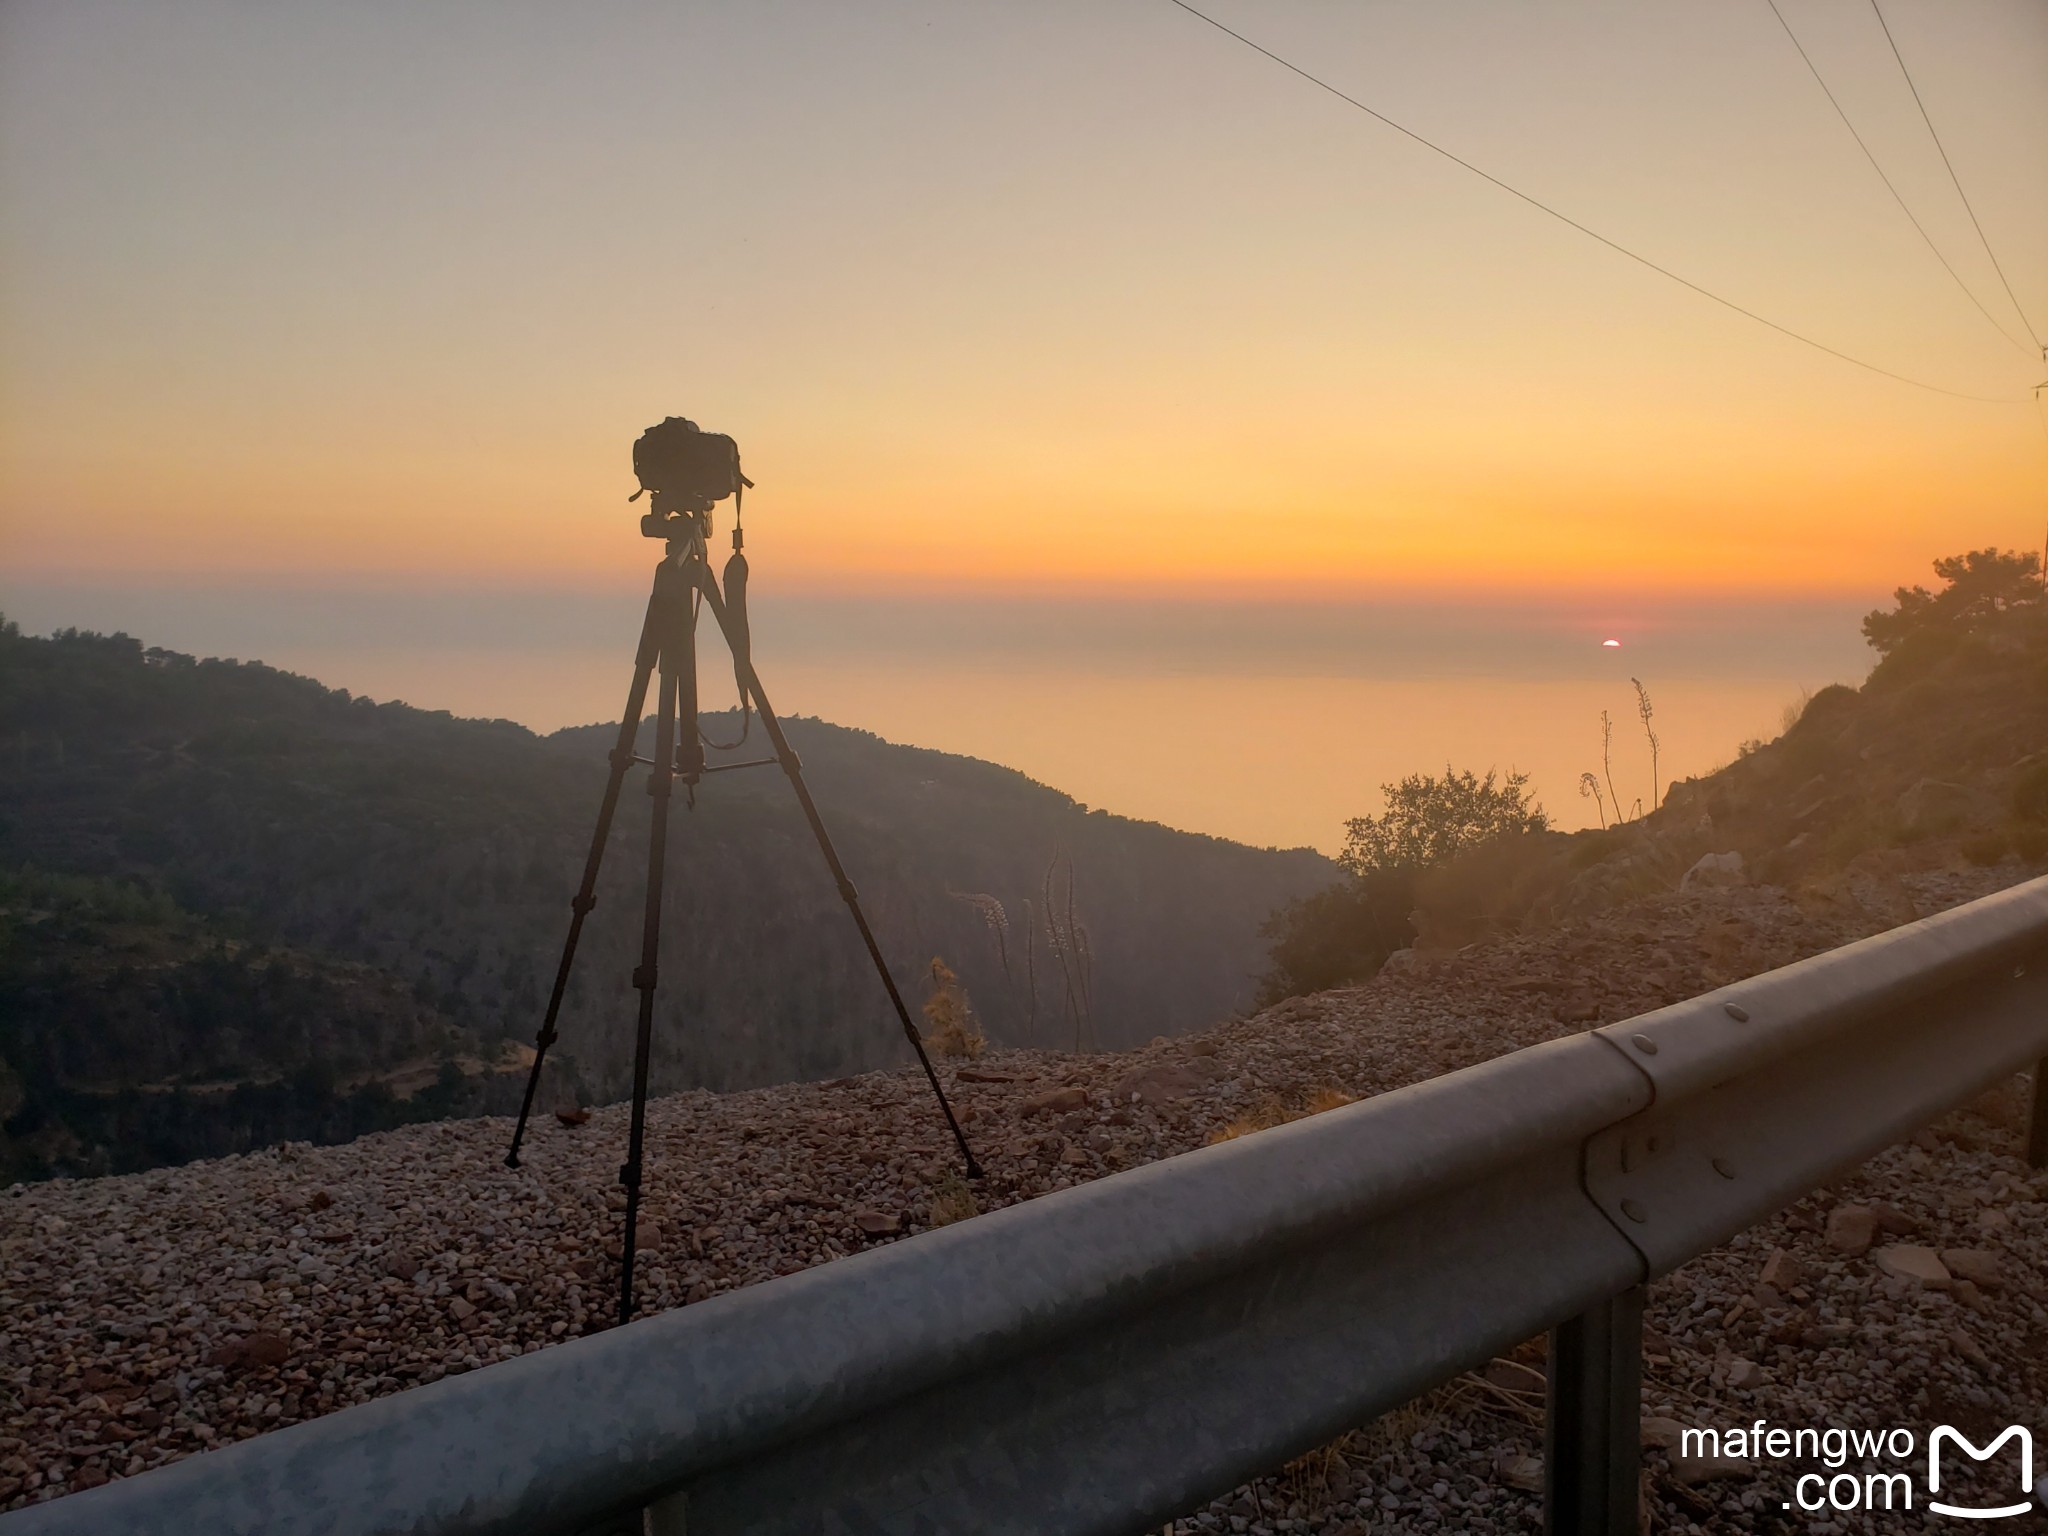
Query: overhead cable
point(1957, 180)
point(1897, 196)
point(1593, 234)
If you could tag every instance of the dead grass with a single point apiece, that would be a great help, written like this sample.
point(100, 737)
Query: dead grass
point(1794, 711)
point(952, 1200)
point(1271, 1112)
point(950, 1024)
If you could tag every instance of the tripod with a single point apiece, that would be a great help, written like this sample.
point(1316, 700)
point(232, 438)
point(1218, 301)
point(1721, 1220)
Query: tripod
point(668, 641)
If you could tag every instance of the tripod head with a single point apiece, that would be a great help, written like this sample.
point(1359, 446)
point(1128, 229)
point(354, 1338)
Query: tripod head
point(683, 524)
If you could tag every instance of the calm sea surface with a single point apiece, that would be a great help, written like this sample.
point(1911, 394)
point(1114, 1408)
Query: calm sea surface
point(1265, 722)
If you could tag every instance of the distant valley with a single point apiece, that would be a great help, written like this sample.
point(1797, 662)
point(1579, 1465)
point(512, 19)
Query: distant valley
point(243, 907)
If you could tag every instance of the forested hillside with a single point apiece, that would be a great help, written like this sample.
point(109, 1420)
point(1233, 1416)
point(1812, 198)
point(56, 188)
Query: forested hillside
point(275, 817)
point(133, 1033)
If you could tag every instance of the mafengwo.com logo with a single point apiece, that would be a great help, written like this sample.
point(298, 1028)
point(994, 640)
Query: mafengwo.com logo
point(1891, 1472)
point(1943, 1435)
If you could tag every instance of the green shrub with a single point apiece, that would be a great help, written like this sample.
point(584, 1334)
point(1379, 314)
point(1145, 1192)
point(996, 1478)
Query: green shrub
point(1590, 848)
point(1915, 656)
point(2030, 795)
point(1861, 832)
point(1927, 828)
point(1344, 934)
point(1337, 936)
point(1489, 889)
point(1429, 821)
point(1986, 848)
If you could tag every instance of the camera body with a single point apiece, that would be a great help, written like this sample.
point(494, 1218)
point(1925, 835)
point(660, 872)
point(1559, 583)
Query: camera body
point(685, 470)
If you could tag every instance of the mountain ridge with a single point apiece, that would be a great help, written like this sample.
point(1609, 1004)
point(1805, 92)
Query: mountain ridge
point(443, 852)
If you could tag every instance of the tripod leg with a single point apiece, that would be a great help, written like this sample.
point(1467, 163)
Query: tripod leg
point(672, 624)
point(689, 743)
point(792, 765)
point(586, 893)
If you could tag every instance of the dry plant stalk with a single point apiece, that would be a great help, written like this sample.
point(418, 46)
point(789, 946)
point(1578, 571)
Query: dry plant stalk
point(1794, 711)
point(1085, 956)
point(994, 918)
point(1077, 937)
point(1607, 761)
point(1589, 789)
point(950, 1024)
point(1062, 940)
point(1643, 712)
point(1031, 970)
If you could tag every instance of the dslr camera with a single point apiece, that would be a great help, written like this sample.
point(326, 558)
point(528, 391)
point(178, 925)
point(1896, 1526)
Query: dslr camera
point(684, 471)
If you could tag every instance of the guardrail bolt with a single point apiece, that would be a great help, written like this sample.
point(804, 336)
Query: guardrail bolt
point(1592, 1453)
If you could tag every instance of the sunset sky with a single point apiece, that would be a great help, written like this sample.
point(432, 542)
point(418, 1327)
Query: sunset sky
point(1019, 302)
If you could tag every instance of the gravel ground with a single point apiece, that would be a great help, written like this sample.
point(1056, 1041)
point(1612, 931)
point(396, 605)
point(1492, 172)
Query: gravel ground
point(158, 1314)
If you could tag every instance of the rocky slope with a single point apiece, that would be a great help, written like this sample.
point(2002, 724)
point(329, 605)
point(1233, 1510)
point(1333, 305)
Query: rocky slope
point(158, 1314)
point(1939, 758)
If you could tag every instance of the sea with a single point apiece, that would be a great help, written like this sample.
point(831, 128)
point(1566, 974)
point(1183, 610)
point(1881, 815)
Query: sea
point(1266, 720)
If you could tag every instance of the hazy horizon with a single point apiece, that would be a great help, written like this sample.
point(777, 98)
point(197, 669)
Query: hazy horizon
point(1266, 723)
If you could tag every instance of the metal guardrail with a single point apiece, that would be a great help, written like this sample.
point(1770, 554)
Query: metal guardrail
point(1098, 1360)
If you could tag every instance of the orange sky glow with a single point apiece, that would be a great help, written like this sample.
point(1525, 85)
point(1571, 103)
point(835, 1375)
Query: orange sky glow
point(1041, 300)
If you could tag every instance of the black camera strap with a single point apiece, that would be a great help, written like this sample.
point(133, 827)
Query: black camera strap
point(738, 635)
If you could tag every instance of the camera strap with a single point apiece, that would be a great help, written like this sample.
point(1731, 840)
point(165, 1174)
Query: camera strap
point(741, 637)
point(735, 583)
point(738, 635)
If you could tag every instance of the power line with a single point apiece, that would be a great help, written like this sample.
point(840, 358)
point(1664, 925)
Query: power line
point(1897, 197)
point(1879, 12)
point(1594, 234)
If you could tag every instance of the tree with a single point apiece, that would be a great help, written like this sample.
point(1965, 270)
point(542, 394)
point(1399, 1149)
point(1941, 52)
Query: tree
point(1345, 933)
point(1429, 821)
point(1980, 583)
point(1337, 936)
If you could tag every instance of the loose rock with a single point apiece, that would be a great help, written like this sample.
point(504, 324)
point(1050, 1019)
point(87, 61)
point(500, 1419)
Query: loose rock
point(1852, 1229)
point(1921, 1266)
